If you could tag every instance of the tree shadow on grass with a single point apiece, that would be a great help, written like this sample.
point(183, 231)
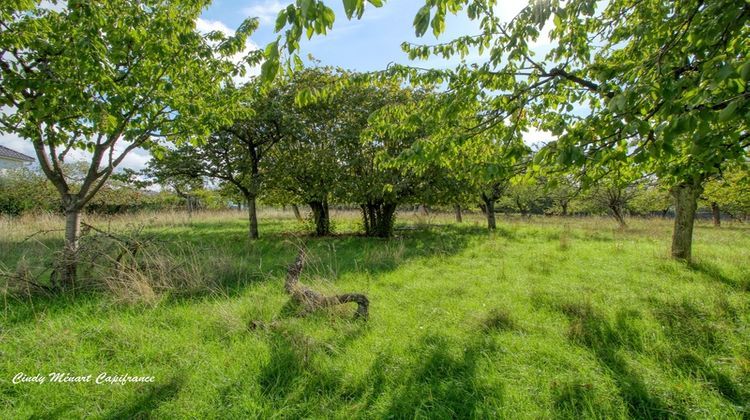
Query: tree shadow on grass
point(237, 263)
point(299, 369)
point(19, 310)
point(440, 382)
point(685, 324)
point(689, 325)
point(330, 257)
point(444, 385)
point(607, 342)
point(700, 340)
point(713, 272)
point(146, 401)
point(693, 364)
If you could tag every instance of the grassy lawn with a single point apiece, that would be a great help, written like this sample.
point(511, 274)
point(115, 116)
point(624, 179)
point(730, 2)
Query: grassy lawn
point(546, 317)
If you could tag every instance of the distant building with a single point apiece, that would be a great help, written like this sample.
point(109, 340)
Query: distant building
point(11, 159)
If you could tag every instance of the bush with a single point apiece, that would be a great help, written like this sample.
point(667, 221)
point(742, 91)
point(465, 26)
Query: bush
point(23, 190)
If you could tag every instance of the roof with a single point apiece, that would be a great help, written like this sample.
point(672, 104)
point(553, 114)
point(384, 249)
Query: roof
point(12, 154)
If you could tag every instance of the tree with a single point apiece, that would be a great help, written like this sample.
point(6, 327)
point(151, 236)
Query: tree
point(374, 176)
point(730, 193)
point(526, 195)
point(234, 153)
point(478, 165)
point(662, 85)
point(250, 140)
point(562, 189)
point(611, 187)
point(614, 196)
point(486, 164)
point(651, 196)
point(105, 77)
point(177, 170)
point(305, 165)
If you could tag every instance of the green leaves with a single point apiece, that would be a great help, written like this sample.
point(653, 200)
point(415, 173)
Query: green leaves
point(617, 103)
point(357, 7)
point(93, 74)
point(352, 6)
point(304, 6)
point(745, 71)
point(281, 20)
point(727, 113)
point(438, 21)
point(422, 20)
point(270, 67)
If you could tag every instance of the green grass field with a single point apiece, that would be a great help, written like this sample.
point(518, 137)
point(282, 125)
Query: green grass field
point(544, 318)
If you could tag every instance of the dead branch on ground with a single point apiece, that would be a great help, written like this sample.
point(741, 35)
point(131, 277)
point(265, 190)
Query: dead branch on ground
point(311, 300)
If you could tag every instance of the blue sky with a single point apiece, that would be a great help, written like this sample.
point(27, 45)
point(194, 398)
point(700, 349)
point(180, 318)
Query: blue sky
point(364, 45)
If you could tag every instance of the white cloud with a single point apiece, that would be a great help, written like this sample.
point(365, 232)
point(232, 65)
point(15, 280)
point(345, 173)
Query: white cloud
point(136, 159)
point(536, 137)
point(13, 141)
point(205, 26)
point(57, 6)
point(266, 10)
point(508, 9)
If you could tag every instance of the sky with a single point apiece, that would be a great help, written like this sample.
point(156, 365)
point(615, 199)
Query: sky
point(368, 44)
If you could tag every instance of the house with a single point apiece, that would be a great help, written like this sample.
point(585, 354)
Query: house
point(9, 159)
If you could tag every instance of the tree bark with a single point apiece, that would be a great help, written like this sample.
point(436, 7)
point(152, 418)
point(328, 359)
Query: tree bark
point(489, 205)
point(459, 216)
point(378, 219)
point(716, 213)
point(521, 207)
point(686, 202)
point(564, 206)
point(297, 214)
point(618, 216)
point(321, 217)
point(311, 300)
point(253, 217)
point(68, 268)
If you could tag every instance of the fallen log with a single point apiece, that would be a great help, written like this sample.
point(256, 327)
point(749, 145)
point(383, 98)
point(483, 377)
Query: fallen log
point(311, 300)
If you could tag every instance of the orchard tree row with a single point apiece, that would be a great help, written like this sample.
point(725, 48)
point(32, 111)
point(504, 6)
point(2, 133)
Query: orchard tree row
point(333, 150)
point(627, 89)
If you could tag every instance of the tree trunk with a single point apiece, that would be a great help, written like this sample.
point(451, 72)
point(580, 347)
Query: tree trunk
point(459, 217)
point(67, 270)
point(378, 219)
point(686, 201)
point(489, 205)
point(297, 214)
point(564, 205)
point(321, 217)
point(716, 213)
point(253, 217)
point(521, 208)
point(617, 215)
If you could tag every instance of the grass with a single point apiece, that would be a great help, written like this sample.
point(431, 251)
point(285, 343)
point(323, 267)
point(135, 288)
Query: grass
point(548, 317)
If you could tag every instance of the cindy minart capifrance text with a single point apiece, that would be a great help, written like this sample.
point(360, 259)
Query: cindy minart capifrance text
point(67, 378)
